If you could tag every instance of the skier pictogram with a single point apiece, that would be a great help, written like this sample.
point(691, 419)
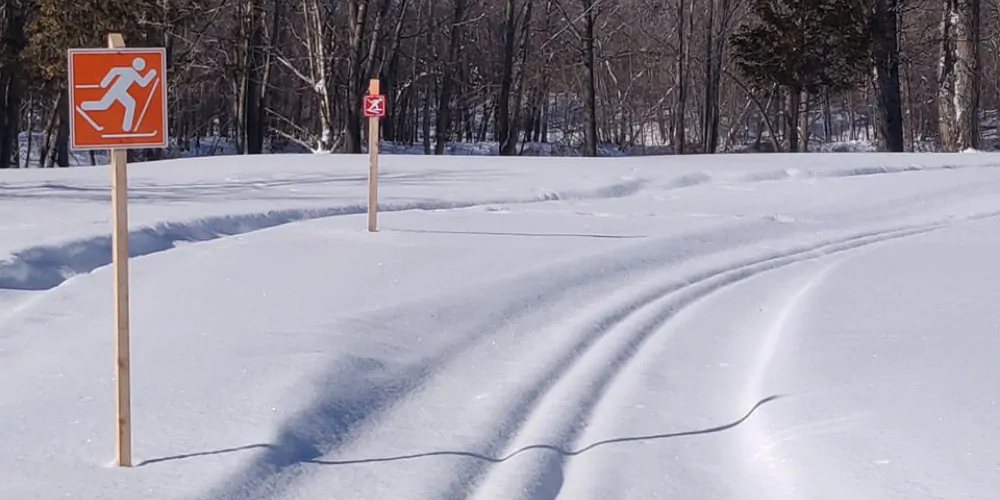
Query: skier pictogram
point(374, 106)
point(118, 81)
point(118, 98)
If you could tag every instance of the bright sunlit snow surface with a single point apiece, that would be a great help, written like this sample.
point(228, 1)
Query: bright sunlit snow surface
point(732, 327)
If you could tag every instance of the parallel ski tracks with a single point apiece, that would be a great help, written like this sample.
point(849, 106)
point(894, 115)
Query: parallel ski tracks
point(583, 356)
point(615, 332)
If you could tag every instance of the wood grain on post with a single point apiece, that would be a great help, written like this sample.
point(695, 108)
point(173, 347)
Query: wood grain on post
point(119, 259)
point(373, 141)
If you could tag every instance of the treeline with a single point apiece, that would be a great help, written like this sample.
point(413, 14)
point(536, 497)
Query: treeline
point(701, 76)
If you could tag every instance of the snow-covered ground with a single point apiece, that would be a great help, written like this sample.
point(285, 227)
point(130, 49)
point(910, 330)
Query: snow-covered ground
point(820, 326)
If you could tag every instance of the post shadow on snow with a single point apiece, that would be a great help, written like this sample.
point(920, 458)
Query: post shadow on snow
point(503, 233)
point(185, 456)
point(309, 454)
point(329, 422)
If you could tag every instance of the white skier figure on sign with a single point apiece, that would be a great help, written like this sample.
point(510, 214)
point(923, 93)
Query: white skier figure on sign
point(118, 81)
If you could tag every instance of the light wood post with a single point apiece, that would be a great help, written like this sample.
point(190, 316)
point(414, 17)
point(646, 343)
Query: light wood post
point(119, 259)
point(373, 143)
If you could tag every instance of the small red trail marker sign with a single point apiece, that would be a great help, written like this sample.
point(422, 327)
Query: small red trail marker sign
point(374, 106)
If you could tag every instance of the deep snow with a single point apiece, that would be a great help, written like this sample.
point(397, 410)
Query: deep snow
point(731, 327)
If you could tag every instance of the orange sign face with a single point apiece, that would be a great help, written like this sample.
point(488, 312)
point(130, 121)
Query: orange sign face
point(118, 98)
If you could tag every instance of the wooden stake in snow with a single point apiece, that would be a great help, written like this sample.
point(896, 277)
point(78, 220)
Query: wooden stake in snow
point(99, 78)
point(119, 259)
point(374, 109)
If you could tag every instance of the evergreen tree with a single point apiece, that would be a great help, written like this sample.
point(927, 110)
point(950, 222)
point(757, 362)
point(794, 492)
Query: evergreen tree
point(805, 46)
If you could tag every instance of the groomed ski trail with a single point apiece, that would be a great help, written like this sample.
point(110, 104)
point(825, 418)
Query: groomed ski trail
point(578, 358)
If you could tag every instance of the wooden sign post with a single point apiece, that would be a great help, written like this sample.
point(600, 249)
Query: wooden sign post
point(119, 102)
point(374, 109)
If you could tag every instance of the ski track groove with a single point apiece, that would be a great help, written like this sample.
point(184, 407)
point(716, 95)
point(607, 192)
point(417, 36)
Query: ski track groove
point(650, 312)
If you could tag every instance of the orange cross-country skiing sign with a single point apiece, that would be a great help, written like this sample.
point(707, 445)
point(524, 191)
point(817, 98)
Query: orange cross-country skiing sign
point(118, 98)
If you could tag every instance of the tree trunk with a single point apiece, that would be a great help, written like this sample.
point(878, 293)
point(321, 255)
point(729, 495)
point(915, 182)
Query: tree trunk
point(254, 82)
point(546, 108)
point(792, 124)
point(827, 118)
point(425, 124)
point(886, 55)
point(10, 106)
point(443, 129)
point(806, 123)
point(12, 41)
point(240, 99)
point(969, 81)
point(358, 12)
point(48, 135)
point(590, 84)
point(680, 131)
point(714, 83)
point(30, 129)
point(244, 67)
point(396, 110)
point(504, 135)
point(959, 75)
point(62, 137)
point(912, 117)
point(517, 121)
point(710, 109)
point(264, 93)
